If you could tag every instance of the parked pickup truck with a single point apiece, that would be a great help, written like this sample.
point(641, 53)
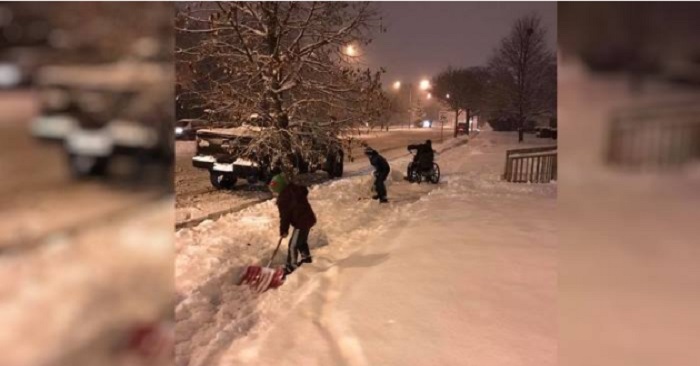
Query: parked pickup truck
point(217, 154)
point(99, 112)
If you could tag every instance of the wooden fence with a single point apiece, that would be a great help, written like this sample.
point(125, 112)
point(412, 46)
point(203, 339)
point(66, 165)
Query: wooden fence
point(533, 165)
point(657, 137)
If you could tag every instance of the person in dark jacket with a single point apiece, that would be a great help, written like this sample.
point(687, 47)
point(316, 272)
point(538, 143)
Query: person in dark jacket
point(295, 210)
point(381, 172)
point(424, 155)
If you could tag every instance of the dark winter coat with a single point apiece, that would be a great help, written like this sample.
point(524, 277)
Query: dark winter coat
point(381, 166)
point(424, 155)
point(295, 209)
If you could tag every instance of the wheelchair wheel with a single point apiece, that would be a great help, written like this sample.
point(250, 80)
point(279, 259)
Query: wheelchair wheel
point(435, 174)
point(412, 174)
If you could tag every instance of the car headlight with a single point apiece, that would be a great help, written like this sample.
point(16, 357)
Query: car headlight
point(178, 130)
point(10, 75)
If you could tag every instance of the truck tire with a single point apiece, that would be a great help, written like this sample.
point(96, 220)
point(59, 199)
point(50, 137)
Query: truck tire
point(266, 174)
point(338, 166)
point(222, 180)
point(334, 165)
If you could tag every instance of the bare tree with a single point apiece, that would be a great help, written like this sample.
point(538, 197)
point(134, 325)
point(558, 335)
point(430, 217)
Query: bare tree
point(522, 72)
point(293, 66)
point(461, 89)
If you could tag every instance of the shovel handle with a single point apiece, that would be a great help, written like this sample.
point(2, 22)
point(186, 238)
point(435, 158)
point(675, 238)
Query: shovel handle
point(275, 252)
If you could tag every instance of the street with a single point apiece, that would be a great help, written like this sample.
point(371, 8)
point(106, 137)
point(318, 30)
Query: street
point(38, 196)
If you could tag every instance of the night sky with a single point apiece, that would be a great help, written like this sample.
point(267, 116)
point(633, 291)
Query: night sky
point(425, 37)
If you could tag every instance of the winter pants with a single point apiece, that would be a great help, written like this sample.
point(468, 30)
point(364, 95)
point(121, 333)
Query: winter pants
point(379, 186)
point(298, 244)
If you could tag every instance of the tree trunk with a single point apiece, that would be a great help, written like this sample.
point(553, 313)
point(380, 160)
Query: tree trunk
point(520, 130)
point(468, 126)
point(456, 121)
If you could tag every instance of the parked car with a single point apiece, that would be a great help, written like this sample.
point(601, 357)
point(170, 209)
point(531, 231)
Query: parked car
point(547, 132)
point(99, 112)
point(19, 64)
point(217, 153)
point(11, 75)
point(186, 129)
point(462, 128)
point(684, 71)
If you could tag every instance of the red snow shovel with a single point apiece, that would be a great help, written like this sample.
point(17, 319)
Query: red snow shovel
point(261, 279)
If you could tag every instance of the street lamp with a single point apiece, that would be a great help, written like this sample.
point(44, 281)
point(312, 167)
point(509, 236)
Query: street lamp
point(397, 87)
point(424, 84)
point(447, 96)
point(350, 50)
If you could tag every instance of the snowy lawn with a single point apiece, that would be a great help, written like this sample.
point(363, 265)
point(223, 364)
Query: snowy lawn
point(629, 273)
point(459, 273)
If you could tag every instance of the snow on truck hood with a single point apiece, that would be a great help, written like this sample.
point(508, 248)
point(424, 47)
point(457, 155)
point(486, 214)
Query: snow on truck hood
point(247, 131)
point(242, 131)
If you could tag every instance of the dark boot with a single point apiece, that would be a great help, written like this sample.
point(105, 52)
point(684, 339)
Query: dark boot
point(305, 260)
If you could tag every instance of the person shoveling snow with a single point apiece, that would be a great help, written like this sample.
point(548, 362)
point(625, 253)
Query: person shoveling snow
point(381, 172)
point(294, 210)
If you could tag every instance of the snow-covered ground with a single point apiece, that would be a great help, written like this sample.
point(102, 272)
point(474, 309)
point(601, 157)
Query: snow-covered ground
point(628, 275)
point(464, 272)
point(77, 299)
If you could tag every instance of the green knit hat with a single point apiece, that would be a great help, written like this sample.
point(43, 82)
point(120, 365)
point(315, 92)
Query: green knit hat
point(278, 183)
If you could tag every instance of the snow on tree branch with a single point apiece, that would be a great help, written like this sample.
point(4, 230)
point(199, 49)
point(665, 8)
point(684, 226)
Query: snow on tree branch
point(284, 63)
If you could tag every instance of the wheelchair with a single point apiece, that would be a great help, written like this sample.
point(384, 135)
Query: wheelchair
point(418, 173)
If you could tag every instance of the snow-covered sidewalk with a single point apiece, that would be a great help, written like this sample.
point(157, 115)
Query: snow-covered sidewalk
point(459, 273)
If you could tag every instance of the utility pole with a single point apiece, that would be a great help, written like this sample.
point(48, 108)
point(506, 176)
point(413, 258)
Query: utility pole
point(442, 125)
point(410, 105)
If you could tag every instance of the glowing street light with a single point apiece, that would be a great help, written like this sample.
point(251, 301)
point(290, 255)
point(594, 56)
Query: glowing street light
point(447, 96)
point(424, 84)
point(351, 50)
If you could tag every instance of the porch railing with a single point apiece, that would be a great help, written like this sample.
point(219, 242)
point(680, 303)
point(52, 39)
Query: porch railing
point(654, 137)
point(533, 165)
